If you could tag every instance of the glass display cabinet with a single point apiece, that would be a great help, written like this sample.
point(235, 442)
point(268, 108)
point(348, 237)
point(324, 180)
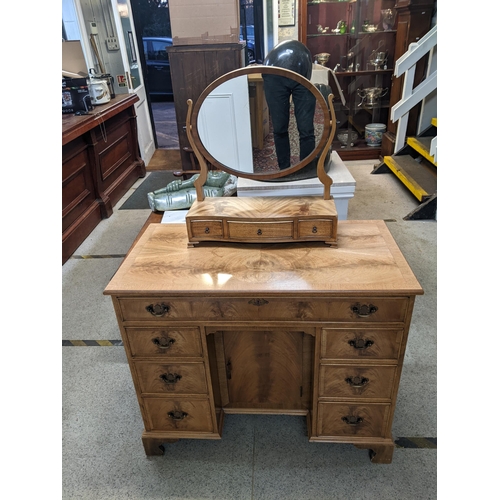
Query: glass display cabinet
point(356, 40)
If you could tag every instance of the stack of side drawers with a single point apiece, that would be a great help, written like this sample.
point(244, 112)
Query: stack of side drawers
point(170, 371)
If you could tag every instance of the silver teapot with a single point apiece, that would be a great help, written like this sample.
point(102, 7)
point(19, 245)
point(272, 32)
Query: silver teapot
point(371, 95)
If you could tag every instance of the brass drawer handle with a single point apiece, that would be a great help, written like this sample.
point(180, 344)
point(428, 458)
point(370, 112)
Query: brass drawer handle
point(177, 415)
point(360, 343)
point(352, 420)
point(170, 378)
point(357, 381)
point(315, 229)
point(364, 310)
point(259, 231)
point(163, 342)
point(158, 309)
point(207, 230)
point(258, 302)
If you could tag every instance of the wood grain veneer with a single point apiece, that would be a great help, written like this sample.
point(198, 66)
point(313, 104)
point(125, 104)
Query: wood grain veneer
point(265, 219)
point(299, 329)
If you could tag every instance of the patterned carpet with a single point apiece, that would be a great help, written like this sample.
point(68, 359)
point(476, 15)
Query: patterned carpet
point(265, 159)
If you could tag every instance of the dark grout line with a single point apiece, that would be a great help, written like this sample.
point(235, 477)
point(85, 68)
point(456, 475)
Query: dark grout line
point(110, 256)
point(253, 465)
point(92, 343)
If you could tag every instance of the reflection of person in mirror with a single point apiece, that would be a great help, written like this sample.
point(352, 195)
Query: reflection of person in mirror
point(180, 194)
point(278, 90)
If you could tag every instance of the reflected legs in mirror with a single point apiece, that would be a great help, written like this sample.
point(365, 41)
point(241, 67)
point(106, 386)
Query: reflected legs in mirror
point(278, 91)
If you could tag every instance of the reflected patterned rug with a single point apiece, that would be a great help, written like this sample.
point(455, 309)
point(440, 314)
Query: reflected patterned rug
point(265, 160)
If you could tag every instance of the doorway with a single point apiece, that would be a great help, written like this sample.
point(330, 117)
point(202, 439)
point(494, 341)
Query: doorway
point(252, 30)
point(154, 34)
point(105, 31)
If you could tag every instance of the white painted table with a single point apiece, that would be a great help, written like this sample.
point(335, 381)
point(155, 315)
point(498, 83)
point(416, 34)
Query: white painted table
point(342, 188)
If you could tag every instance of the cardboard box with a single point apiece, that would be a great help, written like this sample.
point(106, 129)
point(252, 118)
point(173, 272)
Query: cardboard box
point(73, 60)
point(196, 22)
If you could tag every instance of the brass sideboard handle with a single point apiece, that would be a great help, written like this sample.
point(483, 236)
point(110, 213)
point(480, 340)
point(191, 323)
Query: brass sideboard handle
point(170, 378)
point(163, 342)
point(258, 302)
point(158, 309)
point(360, 343)
point(352, 420)
point(315, 229)
point(364, 310)
point(259, 231)
point(357, 381)
point(207, 230)
point(177, 415)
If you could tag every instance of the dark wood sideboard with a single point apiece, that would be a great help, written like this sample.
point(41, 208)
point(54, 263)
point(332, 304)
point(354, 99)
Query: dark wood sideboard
point(100, 162)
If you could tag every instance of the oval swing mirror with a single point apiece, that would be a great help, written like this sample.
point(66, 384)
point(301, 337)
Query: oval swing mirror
point(261, 122)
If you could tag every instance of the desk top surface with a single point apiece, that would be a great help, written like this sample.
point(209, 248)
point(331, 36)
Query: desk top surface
point(367, 260)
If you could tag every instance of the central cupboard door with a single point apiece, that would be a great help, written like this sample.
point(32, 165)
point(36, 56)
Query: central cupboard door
point(268, 369)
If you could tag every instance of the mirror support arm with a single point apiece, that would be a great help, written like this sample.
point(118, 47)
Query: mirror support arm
point(322, 176)
point(200, 182)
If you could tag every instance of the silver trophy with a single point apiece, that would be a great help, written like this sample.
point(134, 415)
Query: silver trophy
point(371, 95)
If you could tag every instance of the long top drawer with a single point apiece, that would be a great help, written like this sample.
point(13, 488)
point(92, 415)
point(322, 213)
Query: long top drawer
point(258, 308)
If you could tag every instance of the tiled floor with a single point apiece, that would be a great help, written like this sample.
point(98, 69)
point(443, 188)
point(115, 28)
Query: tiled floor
point(259, 457)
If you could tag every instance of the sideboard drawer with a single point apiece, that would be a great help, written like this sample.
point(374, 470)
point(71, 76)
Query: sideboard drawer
point(354, 381)
point(347, 343)
point(172, 378)
point(166, 342)
point(205, 228)
point(358, 310)
point(340, 419)
point(168, 414)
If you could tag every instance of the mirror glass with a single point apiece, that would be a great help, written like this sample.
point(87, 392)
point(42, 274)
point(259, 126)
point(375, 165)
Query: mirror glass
point(262, 123)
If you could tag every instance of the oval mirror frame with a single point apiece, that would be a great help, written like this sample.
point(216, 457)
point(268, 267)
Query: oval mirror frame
point(192, 122)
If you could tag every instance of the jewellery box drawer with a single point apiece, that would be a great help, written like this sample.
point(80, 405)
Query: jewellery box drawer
point(166, 342)
point(260, 230)
point(340, 419)
point(205, 228)
point(167, 414)
point(317, 228)
point(172, 378)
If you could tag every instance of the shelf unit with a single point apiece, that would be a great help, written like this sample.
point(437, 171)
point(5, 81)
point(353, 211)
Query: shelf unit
point(351, 50)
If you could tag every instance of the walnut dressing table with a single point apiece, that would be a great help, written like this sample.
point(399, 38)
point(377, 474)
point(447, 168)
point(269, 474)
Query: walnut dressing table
point(276, 328)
